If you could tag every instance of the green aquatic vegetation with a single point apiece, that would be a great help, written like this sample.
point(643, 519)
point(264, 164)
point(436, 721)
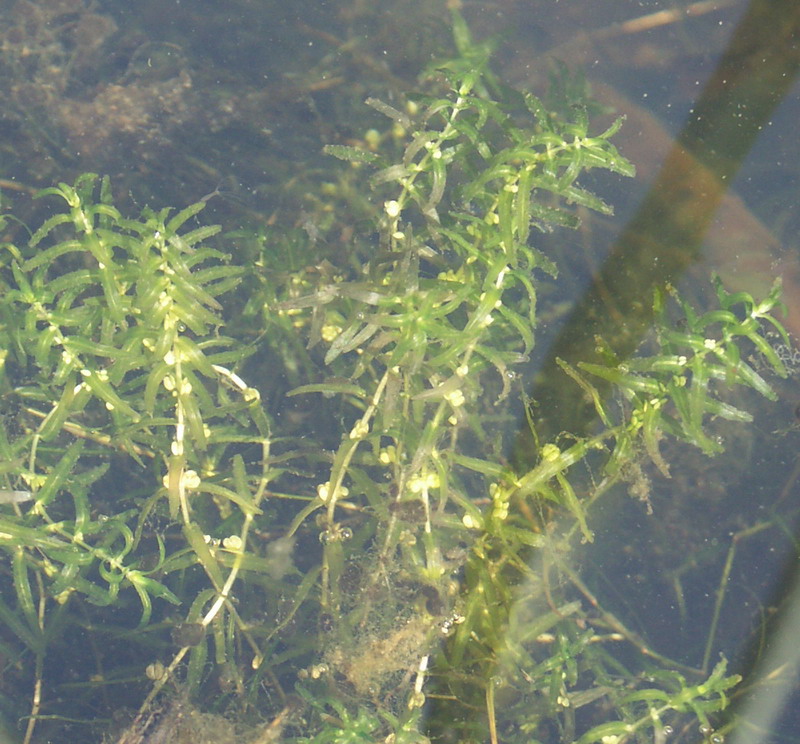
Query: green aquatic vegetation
point(344, 551)
point(111, 330)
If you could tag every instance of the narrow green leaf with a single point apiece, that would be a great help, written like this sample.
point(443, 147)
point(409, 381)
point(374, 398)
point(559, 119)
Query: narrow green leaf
point(11, 620)
point(192, 356)
point(329, 388)
point(492, 469)
point(185, 214)
point(198, 235)
point(635, 383)
point(387, 110)
point(350, 338)
point(22, 587)
point(155, 380)
point(505, 213)
point(351, 154)
point(193, 417)
point(48, 337)
point(102, 389)
point(243, 500)
point(58, 476)
point(198, 543)
point(588, 388)
point(572, 503)
point(48, 226)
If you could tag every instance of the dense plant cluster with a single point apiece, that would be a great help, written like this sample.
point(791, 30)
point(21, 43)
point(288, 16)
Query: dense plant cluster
point(350, 559)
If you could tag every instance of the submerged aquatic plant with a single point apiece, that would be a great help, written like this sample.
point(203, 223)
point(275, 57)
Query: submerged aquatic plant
point(382, 575)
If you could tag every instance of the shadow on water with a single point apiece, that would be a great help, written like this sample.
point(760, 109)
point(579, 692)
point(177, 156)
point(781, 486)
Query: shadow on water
point(659, 243)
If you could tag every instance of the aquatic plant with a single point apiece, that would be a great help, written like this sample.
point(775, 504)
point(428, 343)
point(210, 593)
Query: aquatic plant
point(282, 484)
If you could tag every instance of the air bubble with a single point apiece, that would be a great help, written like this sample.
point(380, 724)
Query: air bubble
point(716, 739)
point(335, 534)
point(668, 731)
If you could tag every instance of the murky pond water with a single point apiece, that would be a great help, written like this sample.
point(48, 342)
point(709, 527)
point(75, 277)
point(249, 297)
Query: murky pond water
point(358, 466)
